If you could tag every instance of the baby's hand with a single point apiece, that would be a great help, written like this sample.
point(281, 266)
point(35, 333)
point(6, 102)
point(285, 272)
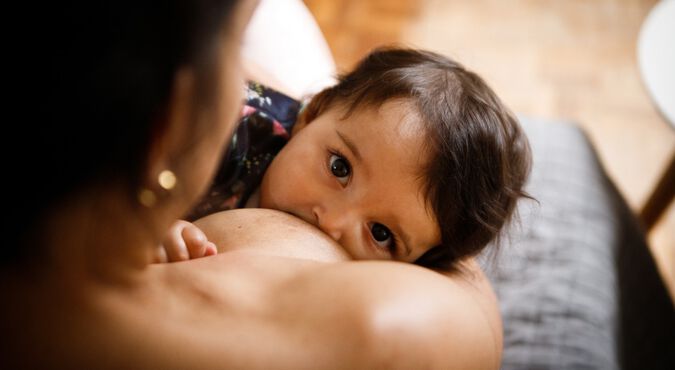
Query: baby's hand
point(184, 241)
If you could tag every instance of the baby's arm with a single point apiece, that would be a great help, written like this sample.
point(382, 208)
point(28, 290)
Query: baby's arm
point(184, 241)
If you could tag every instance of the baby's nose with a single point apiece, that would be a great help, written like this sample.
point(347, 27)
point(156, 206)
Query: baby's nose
point(327, 224)
point(335, 234)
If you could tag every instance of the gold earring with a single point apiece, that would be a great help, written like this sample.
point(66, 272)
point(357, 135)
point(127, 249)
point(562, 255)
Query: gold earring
point(166, 180)
point(147, 197)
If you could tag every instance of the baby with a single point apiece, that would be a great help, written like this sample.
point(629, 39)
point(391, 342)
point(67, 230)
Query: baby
point(410, 157)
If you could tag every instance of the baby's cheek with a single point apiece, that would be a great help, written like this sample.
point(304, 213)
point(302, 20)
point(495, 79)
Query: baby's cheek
point(273, 188)
point(288, 182)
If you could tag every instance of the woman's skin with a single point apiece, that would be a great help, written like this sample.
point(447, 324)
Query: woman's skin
point(411, 315)
point(283, 297)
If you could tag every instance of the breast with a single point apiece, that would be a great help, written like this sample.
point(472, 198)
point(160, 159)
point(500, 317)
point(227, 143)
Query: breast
point(270, 232)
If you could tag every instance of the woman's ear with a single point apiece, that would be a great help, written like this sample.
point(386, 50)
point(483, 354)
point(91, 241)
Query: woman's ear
point(170, 133)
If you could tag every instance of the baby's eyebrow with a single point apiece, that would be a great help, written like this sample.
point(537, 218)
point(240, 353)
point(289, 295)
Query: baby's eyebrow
point(350, 144)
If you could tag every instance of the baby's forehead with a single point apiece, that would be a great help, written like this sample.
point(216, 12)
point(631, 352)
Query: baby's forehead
point(397, 126)
point(400, 115)
point(403, 114)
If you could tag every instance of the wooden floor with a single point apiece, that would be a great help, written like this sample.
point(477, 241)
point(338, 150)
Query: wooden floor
point(569, 59)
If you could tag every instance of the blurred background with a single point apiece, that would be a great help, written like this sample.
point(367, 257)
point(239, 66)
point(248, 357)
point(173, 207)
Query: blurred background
point(562, 59)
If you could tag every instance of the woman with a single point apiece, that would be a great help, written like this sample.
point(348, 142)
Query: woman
point(78, 284)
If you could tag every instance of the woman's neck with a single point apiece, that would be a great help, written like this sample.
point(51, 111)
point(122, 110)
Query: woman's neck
point(97, 236)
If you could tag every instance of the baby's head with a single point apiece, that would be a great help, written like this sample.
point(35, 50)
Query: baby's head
point(409, 157)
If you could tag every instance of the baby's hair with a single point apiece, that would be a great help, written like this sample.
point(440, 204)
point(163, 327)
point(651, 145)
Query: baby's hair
point(479, 156)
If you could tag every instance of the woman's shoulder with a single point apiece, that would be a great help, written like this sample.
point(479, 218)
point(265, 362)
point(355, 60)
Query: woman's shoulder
point(358, 314)
point(408, 316)
point(361, 314)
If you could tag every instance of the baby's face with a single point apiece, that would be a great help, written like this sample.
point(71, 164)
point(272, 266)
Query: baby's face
point(359, 181)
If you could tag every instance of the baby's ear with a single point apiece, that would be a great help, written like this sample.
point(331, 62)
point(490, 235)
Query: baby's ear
point(303, 120)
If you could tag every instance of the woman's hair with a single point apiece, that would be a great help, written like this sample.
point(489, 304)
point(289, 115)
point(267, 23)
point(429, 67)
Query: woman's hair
point(480, 158)
point(92, 81)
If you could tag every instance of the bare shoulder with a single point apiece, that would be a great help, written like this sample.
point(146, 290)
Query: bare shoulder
point(405, 316)
point(359, 314)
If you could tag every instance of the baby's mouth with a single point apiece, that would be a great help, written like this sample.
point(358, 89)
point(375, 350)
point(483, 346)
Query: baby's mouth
point(315, 222)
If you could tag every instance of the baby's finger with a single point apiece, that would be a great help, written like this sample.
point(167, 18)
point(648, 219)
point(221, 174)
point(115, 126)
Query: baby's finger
point(174, 245)
point(196, 242)
point(160, 255)
point(211, 249)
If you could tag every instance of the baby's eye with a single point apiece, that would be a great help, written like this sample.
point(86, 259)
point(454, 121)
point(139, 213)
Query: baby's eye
point(383, 237)
point(340, 168)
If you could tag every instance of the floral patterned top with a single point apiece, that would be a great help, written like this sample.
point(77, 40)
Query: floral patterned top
point(265, 126)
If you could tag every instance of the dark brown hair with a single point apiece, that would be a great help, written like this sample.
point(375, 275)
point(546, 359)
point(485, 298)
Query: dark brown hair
point(480, 157)
point(88, 99)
